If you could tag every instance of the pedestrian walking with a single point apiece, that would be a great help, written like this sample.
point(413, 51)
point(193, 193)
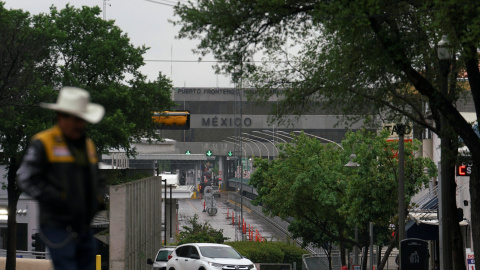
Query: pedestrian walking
point(60, 170)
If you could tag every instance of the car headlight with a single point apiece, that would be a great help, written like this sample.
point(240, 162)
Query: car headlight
point(217, 265)
point(251, 266)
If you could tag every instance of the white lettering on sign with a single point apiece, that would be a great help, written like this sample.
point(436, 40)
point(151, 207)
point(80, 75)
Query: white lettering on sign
point(218, 122)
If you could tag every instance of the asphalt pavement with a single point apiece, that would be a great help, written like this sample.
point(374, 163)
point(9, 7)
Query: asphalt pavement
point(227, 216)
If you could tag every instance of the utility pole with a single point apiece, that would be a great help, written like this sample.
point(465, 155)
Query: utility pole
point(105, 9)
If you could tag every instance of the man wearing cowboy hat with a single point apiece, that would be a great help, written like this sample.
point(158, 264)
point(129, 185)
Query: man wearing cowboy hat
point(60, 170)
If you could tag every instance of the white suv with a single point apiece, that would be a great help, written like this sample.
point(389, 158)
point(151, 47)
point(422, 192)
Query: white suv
point(161, 259)
point(206, 256)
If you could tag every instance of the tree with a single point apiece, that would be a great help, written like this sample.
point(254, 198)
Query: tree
point(75, 47)
point(94, 54)
point(200, 233)
point(363, 58)
point(23, 49)
point(326, 200)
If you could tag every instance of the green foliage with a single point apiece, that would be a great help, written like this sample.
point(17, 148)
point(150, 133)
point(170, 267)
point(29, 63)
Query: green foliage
point(118, 176)
point(327, 200)
point(292, 253)
point(200, 233)
point(359, 58)
point(97, 56)
point(269, 252)
point(74, 46)
point(71, 47)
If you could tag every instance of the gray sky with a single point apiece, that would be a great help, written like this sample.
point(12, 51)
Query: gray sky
point(146, 23)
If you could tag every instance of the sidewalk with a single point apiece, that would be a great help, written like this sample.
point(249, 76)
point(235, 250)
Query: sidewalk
point(256, 229)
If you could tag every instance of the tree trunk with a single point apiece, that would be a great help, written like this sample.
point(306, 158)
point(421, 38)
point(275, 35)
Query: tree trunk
point(343, 254)
point(449, 151)
point(365, 258)
point(390, 247)
point(13, 195)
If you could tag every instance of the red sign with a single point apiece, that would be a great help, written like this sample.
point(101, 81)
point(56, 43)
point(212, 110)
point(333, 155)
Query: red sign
point(464, 169)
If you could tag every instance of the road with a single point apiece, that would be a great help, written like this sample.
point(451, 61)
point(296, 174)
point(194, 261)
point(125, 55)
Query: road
point(256, 228)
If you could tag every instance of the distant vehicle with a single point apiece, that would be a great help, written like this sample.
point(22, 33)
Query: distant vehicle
point(216, 191)
point(172, 178)
point(207, 256)
point(161, 259)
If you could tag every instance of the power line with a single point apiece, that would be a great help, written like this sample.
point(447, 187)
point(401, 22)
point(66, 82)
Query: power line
point(209, 61)
point(160, 3)
point(167, 2)
point(184, 61)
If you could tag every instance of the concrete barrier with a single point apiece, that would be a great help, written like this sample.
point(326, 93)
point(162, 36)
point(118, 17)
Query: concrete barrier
point(135, 223)
point(29, 264)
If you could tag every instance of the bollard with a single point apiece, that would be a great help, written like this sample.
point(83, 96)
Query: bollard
point(204, 207)
point(228, 212)
point(233, 219)
point(99, 262)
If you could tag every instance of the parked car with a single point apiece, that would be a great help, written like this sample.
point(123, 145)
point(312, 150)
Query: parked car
point(207, 256)
point(161, 259)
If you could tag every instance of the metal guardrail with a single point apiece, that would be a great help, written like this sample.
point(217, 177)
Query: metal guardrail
point(27, 254)
point(276, 222)
point(320, 261)
point(274, 266)
point(317, 259)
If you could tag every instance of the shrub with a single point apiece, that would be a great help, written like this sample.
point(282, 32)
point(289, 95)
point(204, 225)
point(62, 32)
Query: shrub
point(269, 252)
point(292, 253)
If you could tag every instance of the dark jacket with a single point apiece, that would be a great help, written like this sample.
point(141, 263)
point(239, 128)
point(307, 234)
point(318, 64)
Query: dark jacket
point(69, 193)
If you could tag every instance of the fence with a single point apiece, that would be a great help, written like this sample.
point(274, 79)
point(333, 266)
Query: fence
point(320, 261)
point(317, 260)
point(135, 222)
point(274, 266)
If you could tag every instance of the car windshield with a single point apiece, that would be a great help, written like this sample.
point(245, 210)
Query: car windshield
point(219, 252)
point(163, 255)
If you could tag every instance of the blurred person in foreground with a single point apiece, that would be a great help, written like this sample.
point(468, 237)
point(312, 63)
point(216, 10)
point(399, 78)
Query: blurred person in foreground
point(60, 170)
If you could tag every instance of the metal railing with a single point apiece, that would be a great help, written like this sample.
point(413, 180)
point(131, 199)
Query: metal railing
point(27, 254)
point(320, 261)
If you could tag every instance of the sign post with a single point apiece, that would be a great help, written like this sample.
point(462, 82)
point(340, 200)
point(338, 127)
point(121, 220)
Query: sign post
point(470, 261)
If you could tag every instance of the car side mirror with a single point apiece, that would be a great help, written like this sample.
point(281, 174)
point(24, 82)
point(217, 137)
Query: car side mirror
point(150, 261)
point(194, 256)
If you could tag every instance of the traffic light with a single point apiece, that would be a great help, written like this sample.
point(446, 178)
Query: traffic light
point(37, 242)
point(209, 153)
point(172, 119)
point(230, 153)
point(188, 152)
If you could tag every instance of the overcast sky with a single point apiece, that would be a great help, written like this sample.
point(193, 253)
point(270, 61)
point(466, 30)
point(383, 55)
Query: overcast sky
point(146, 23)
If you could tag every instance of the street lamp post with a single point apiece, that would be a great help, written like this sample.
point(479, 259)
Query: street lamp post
point(284, 134)
point(401, 187)
point(273, 135)
point(274, 146)
point(446, 263)
point(401, 182)
point(240, 138)
point(353, 164)
point(252, 140)
point(321, 138)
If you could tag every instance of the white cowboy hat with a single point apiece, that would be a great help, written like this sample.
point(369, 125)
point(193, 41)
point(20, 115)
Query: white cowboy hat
point(76, 101)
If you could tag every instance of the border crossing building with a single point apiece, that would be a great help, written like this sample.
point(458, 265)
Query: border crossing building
point(219, 115)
